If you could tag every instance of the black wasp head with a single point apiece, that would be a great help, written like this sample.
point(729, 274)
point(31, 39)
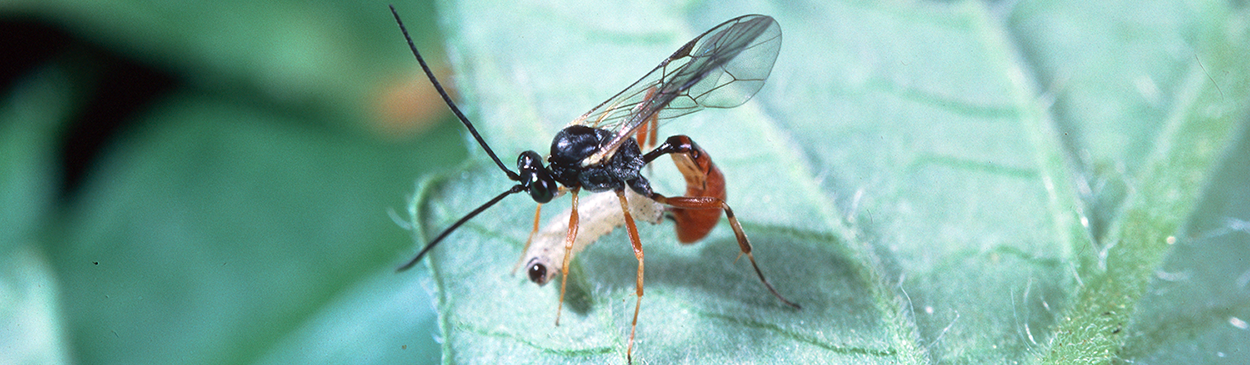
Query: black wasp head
point(535, 178)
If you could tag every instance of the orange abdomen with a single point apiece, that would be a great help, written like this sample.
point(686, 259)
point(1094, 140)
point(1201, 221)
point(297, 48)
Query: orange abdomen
point(703, 179)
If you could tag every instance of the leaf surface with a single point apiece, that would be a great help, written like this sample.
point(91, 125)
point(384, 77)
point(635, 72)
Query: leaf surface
point(916, 175)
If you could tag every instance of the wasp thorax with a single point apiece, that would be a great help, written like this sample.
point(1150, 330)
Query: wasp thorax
point(576, 143)
point(535, 178)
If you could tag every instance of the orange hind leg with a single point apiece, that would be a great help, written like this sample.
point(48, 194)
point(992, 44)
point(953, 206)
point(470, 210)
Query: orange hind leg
point(697, 214)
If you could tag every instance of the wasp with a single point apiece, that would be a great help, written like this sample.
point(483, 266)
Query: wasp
point(601, 151)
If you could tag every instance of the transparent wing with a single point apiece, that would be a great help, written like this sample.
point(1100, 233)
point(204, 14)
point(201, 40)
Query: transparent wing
point(721, 68)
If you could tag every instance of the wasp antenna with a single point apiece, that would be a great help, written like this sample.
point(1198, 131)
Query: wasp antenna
point(446, 98)
point(515, 189)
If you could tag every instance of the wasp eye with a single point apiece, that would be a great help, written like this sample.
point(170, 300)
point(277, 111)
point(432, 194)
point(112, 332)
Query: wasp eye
point(538, 274)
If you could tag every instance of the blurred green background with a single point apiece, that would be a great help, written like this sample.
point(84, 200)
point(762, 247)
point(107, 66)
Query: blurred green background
point(209, 182)
point(212, 182)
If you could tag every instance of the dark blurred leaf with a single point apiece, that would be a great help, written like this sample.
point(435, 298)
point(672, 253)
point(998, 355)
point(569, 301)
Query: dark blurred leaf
point(243, 219)
point(31, 114)
point(215, 232)
point(334, 61)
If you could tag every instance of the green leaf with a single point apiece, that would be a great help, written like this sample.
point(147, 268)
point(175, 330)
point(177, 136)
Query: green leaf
point(30, 325)
point(918, 176)
point(218, 233)
point(1166, 135)
point(331, 61)
point(31, 329)
point(242, 218)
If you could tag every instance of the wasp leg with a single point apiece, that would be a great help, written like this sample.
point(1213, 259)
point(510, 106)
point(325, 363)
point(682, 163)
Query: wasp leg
point(648, 131)
point(703, 179)
point(568, 248)
point(684, 146)
point(637, 243)
point(655, 129)
point(537, 213)
point(715, 203)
